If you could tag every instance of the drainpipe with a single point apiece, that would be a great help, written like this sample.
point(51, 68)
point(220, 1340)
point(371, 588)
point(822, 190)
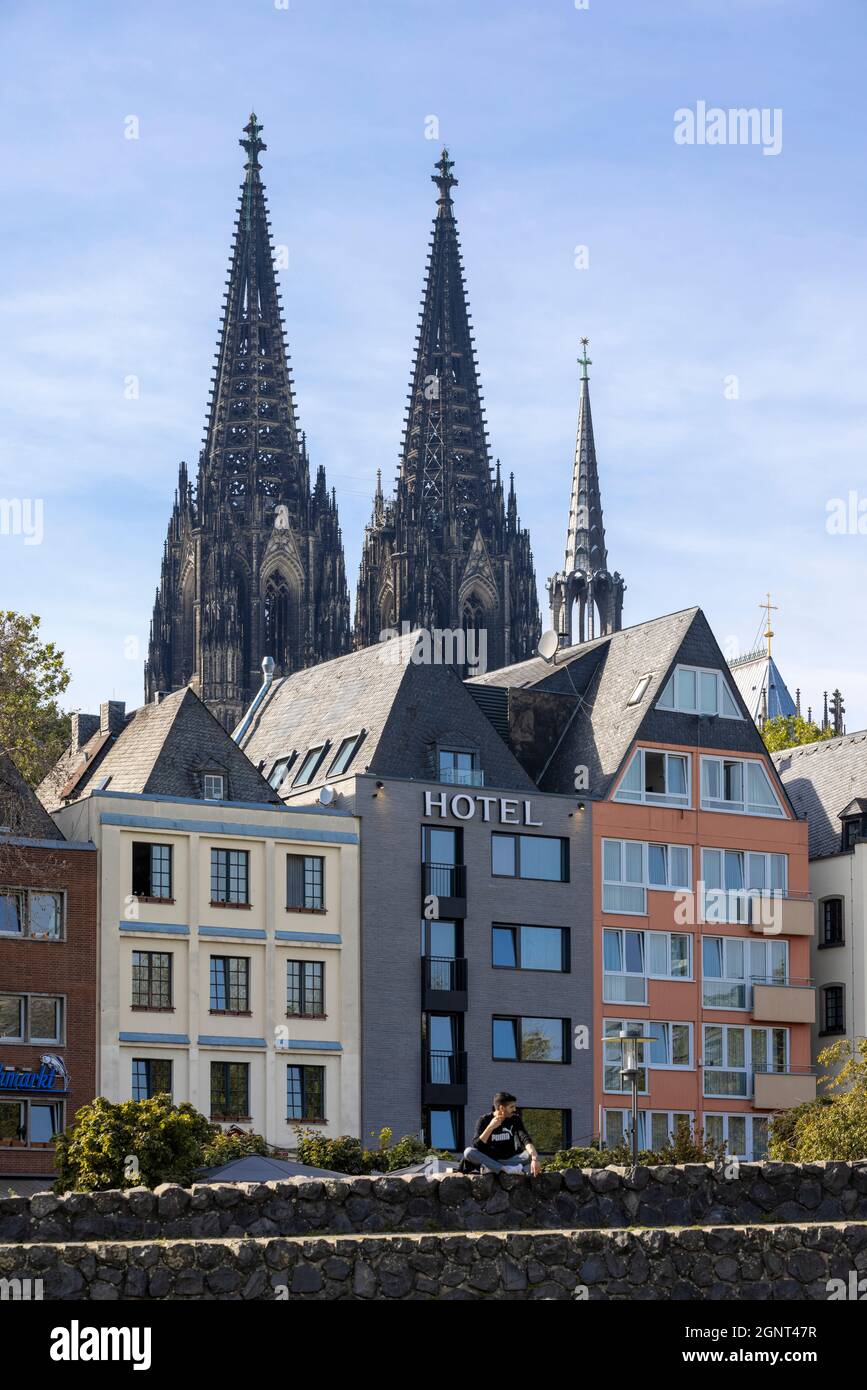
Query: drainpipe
point(267, 678)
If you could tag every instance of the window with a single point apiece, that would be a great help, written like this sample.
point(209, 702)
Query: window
point(305, 989)
point(305, 878)
point(853, 830)
point(344, 755)
point(671, 1049)
point(730, 967)
point(442, 856)
point(309, 763)
point(213, 786)
point(550, 1130)
point(612, 1055)
point(230, 984)
point(655, 1127)
point(656, 778)
point(735, 883)
point(530, 856)
point(29, 1123)
point(630, 958)
point(694, 690)
point(31, 1018)
point(152, 871)
point(229, 876)
point(630, 867)
point(531, 1039)
point(151, 1076)
point(28, 912)
point(732, 1055)
point(277, 775)
point(530, 948)
point(460, 768)
point(305, 1094)
point(230, 1091)
point(640, 691)
point(739, 785)
point(833, 1009)
point(832, 922)
point(443, 1128)
point(745, 1136)
point(151, 979)
point(444, 1057)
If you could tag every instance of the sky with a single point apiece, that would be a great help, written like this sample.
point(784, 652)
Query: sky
point(722, 286)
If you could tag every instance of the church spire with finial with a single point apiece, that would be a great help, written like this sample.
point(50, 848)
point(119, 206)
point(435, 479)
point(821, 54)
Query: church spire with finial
point(585, 578)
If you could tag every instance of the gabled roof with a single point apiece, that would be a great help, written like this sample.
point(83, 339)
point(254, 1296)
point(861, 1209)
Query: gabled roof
point(762, 688)
point(822, 779)
point(605, 674)
point(163, 749)
point(21, 812)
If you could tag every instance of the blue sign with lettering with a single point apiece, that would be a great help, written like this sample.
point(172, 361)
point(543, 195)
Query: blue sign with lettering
point(45, 1079)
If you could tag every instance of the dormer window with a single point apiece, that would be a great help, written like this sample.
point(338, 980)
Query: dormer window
point(460, 767)
point(277, 775)
point(695, 690)
point(214, 786)
point(345, 753)
point(309, 765)
point(854, 818)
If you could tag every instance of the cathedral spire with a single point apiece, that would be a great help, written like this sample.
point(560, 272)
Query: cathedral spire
point(585, 578)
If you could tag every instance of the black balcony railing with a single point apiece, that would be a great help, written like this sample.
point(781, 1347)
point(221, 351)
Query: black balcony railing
point(446, 973)
point(445, 1068)
point(445, 880)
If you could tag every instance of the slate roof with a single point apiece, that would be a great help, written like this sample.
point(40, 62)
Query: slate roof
point(262, 1168)
point(605, 673)
point(162, 749)
point(21, 812)
point(821, 780)
point(758, 676)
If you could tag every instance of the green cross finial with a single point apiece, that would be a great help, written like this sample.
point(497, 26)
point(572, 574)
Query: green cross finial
point(253, 145)
point(584, 361)
point(444, 178)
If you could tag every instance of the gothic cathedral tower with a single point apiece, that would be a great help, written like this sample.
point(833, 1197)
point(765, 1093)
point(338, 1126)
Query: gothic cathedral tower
point(253, 560)
point(448, 551)
point(585, 578)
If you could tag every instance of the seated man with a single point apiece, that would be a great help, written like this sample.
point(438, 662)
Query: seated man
point(501, 1143)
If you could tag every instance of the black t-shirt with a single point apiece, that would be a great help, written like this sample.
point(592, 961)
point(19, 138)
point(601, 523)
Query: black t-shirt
point(509, 1139)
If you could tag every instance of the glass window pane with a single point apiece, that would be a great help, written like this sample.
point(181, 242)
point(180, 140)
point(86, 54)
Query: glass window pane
point(630, 787)
point(659, 1051)
point(708, 692)
point(611, 854)
point(734, 959)
point(503, 855)
point(612, 950)
point(779, 863)
point(733, 782)
point(45, 914)
point(737, 1141)
point(44, 1020)
point(686, 691)
point(635, 952)
point(504, 947)
point(541, 948)
point(679, 859)
point(541, 1040)
point(713, 1046)
point(680, 955)
point(713, 1129)
point(712, 957)
point(680, 1044)
point(734, 868)
point(11, 1016)
point(442, 1128)
point(657, 865)
point(735, 1047)
point(711, 867)
point(11, 913)
point(657, 953)
point(44, 1122)
point(505, 1039)
point(541, 857)
point(633, 862)
point(728, 706)
point(711, 779)
point(676, 783)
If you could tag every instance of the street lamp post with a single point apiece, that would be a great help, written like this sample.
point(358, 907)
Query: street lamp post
point(631, 1045)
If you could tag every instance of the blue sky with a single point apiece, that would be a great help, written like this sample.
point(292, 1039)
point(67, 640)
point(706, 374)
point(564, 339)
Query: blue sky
point(705, 263)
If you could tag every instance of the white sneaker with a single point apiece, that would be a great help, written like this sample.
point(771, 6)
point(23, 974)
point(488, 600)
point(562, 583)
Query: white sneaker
point(514, 1168)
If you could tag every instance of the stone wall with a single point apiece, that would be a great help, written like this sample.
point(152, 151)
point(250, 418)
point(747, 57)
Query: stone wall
point(776, 1262)
point(574, 1199)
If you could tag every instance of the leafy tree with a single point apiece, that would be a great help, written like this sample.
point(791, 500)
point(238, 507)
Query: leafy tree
point(135, 1143)
point(33, 729)
point(237, 1143)
point(835, 1125)
point(789, 731)
point(346, 1154)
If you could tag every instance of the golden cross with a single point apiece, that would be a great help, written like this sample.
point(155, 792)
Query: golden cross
point(768, 606)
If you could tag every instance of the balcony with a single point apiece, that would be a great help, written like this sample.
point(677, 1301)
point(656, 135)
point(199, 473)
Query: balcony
point(444, 1078)
point(783, 916)
point(447, 883)
point(444, 983)
point(462, 776)
point(792, 1001)
point(776, 1090)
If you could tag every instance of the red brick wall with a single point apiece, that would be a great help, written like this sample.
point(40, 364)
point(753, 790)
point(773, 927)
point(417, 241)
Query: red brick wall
point(66, 967)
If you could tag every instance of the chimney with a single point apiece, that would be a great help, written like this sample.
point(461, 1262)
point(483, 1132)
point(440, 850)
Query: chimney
point(84, 726)
point(111, 716)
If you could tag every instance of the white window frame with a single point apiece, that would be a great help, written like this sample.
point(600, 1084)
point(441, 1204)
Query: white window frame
point(647, 973)
point(735, 906)
point(644, 882)
point(209, 781)
point(747, 1069)
point(645, 1123)
point(614, 1026)
point(744, 807)
point(654, 1026)
point(701, 706)
point(646, 798)
point(26, 1037)
point(749, 1117)
point(748, 979)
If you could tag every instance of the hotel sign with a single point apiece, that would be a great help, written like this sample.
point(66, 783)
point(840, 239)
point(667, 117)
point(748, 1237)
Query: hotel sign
point(506, 810)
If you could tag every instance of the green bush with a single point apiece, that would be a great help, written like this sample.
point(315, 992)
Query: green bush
point(835, 1125)
point(346, 1154)
point(682, 1147)
point(223, 1147)
point(130, 1144)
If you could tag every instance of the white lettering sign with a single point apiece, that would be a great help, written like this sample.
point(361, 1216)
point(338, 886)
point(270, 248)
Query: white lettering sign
point(463, 806)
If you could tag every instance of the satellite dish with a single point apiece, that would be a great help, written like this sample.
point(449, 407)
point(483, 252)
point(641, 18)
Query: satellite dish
point(548, 645)
point(326, 796)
